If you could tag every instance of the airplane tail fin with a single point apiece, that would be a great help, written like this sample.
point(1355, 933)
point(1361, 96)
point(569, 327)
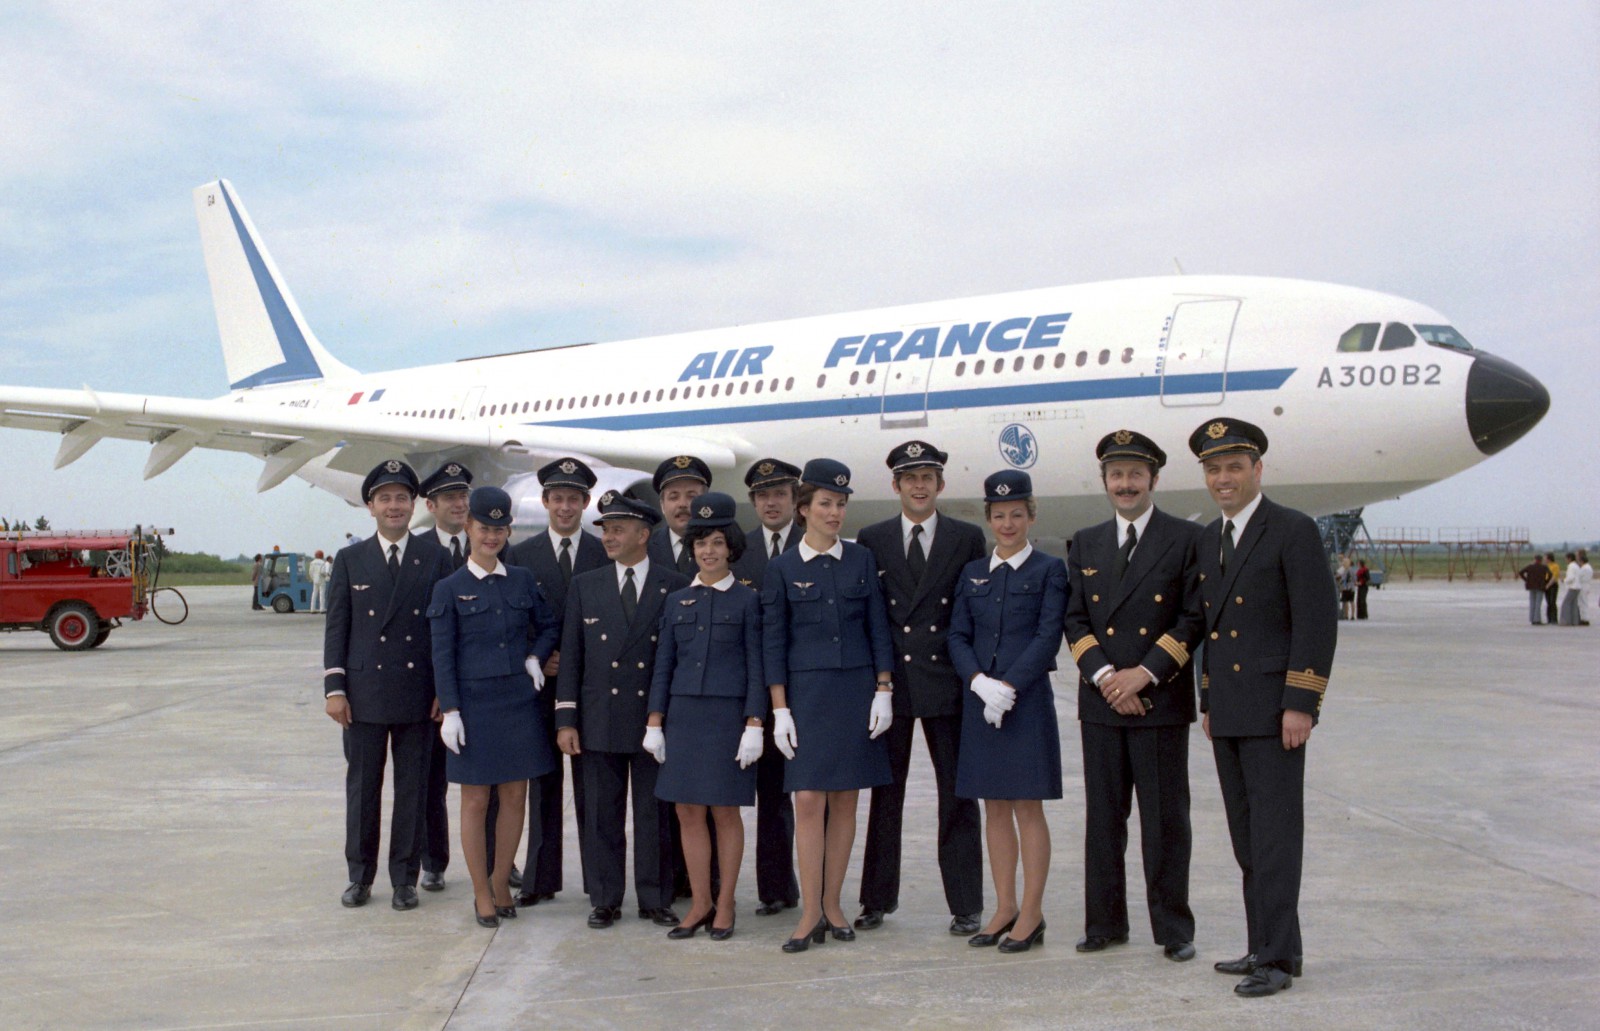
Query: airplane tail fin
point(265, 339)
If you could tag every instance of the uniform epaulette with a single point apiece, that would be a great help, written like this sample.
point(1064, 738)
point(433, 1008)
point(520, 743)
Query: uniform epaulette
point(1173, 647)
point(1307, 681)
point(1082, 645)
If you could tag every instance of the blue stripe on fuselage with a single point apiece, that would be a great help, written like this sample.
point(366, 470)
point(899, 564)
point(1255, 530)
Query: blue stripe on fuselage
point(939, 400)
point(297, 361)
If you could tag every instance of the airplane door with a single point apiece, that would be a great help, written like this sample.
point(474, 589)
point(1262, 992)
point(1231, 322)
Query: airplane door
point(1194, 368)
point(905, 393)
point(469, 403)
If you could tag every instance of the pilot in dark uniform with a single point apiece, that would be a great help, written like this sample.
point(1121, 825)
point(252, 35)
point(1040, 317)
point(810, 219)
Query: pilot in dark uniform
point(677, 482)
point(1004, 635)
point(827, 660)
point(1271, 623)
point(608, 652)
point(378, 680)
point(1133, 623)
point(920, 554)
point(773, 486)
point(708, 700)
point(555, 555)
point(492, 633)
point(445, 492)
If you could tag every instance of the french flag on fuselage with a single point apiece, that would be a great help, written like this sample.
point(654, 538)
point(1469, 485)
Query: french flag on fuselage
point(356, 397)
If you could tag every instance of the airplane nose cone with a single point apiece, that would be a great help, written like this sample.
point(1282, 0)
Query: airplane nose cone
point(1503, 403)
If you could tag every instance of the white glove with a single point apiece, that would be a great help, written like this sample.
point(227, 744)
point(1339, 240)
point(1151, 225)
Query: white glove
point(750, 747)
point(783, 732)
point(993, 716)
point(453, 732)
point(535, 670)
point(995, 694)
point(655, 742)
point(882, 714)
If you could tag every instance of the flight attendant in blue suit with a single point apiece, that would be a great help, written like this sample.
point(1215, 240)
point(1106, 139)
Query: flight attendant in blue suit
point(709, 698)
point(1004, 635)
point(827, 660)
point(492, 632)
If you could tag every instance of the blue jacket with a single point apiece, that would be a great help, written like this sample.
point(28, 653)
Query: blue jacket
point(823, 614)
point(1007, 622)
point(487, 628)
point(711, 646)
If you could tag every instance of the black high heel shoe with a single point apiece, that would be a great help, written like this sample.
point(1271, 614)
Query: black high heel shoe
point(503, 912)
point(722, 934)
point(983, 941)
point(492, 920)
point(819, 934)
point(683, 931)
point(1010, 945)
point(841, 933)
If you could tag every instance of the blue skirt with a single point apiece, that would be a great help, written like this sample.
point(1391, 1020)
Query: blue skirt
point(702, 739)
point(507, 739)
point(1020, 760)
point(830, 709)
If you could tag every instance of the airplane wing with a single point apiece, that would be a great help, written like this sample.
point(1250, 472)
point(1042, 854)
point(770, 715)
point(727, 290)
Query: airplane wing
point(287, 437)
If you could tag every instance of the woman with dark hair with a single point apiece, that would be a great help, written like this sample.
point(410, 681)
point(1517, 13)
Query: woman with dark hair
point(708, 697)
point(1004, 635)
point(492, 634)
point(827, 659)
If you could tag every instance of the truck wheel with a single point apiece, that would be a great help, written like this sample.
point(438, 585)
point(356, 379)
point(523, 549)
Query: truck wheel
point(283, 604)
point(72, 627)
point(101, 635)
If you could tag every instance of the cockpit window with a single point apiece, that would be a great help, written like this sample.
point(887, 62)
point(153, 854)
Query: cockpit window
point(1395, 336)
point(1359, 337)
point(1444, 336)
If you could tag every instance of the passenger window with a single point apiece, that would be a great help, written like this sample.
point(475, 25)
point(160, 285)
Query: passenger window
point(1359, 337)
point(1038, 362)
point(977, 367)
point(820, 380)
point(1127, 355)
point(759, 384)
point(1083, 358)
point(1061, 360)
point(789, 383)
point(854, 376)
point(961, 368)
point(1105, 356)
point(1016, 365)
point(872, 374)
point(1395, 336)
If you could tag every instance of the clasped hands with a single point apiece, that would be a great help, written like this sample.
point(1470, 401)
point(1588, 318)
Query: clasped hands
point(998, 698)
point(1121, 690)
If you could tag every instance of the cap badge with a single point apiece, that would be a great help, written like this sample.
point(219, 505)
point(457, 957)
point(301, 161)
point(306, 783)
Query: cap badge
point(495, 513)
point(569, 467)
point(765, 468)
point(1003, 489)
point(452, 469)
point(1122, 437)
point(682, 461)
point(392, 465)
point(1216, 430)
point(705, 512)
point(914, 451)
point(608, 497)
point(841, 479)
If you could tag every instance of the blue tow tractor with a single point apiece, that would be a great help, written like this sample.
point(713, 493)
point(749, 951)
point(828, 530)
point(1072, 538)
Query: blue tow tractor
point(284, 584)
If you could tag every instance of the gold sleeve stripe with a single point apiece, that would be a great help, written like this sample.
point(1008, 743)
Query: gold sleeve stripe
point(1173, 647)
point(1205, 681)
point(1307, 681)
point(1082, 645)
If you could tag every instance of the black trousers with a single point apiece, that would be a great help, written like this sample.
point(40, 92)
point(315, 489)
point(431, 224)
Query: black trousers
point(1263, 791)
point(367, 747)
point(1152, 762)
point(541, 869)
point(1361, 600)
point(436, 817)
point(609, 776)
point(775, 880)
point(1550, 614)
point(960, 826)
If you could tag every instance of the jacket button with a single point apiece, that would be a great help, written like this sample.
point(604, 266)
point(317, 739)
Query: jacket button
point(1213, 635)
point(641, 694)
point(411, 665)
point(641, 665)
point(1239, 600)
point(1111, 631)
point(1236, 667)
point(1094, 597)
point(1143, 631)
point(1208, 604)
point(933, 629)
point(652, 637)
point(502, 644)
point(382, 639)
point(908, 658)
point(416, 612)
point(944, 601)
point(408, 637)
point(602, 637)
point(371, 613)
point(613, 665)
point(933, 658)
point(830, 601)
point(906, 630)
point(893, 602)
point(1158, 597)
point(613, 690)
point(1233, 633)
point(380, 665)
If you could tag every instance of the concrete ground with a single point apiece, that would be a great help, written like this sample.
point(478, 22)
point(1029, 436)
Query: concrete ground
point(171, 857)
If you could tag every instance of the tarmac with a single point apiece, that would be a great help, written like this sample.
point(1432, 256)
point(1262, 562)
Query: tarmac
point(172, 857)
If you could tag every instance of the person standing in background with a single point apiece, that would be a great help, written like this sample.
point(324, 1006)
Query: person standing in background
point(1585, 587)
point(1363, 582)
point(1535, 578)
point(318, 572)
point(1552, 587)
point(255, 584)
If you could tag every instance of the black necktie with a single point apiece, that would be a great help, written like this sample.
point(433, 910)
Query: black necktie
point(630, 596)
point(915, 558)
point(686, 563)
point(394, 561)
point(1227, 544)
point(455, 550)
point(565, 560)
point(776, 544)
point(1125, 553)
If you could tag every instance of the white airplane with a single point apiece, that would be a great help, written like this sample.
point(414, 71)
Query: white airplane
point(1364, 396)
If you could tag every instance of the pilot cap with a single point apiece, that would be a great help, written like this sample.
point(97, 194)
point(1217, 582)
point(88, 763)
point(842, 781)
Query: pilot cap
point(450, 476)
point(392, 471)
point(771, 472)
point(1226, 437)
point(490, 506)
point(1125, 445)
point(827, 474)
point(712, 511)
point(684, 467)
point(620, 506)
point(567, 472)
point(916, 454)
point(1008, 485)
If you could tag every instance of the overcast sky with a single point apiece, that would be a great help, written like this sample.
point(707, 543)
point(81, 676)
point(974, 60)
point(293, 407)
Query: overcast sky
point(443, 181)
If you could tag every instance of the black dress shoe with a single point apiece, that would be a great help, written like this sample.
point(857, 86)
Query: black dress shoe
point(1010, 945)
point(1247, 965)
point(819, 934)
point(683, 931)
point(515, 880)
point(841, 933)
point(492, 920)
point(661, 917)
point(603, 916)
point(1097, 942)
point(772, 908)
point(722, 934)
point(984, 941)
point(405, 897)
point(355, 895)
point(529, 898)
point(1264, 981)
point(961, 925)
point(432, 880)
point(505, 912)
point(869, 920)
point(1179, 952)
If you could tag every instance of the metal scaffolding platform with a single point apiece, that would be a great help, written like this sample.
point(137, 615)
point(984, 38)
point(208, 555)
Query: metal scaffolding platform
point(1498, 547)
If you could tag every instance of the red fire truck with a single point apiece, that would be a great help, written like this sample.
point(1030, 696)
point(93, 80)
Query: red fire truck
point(77, 585)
